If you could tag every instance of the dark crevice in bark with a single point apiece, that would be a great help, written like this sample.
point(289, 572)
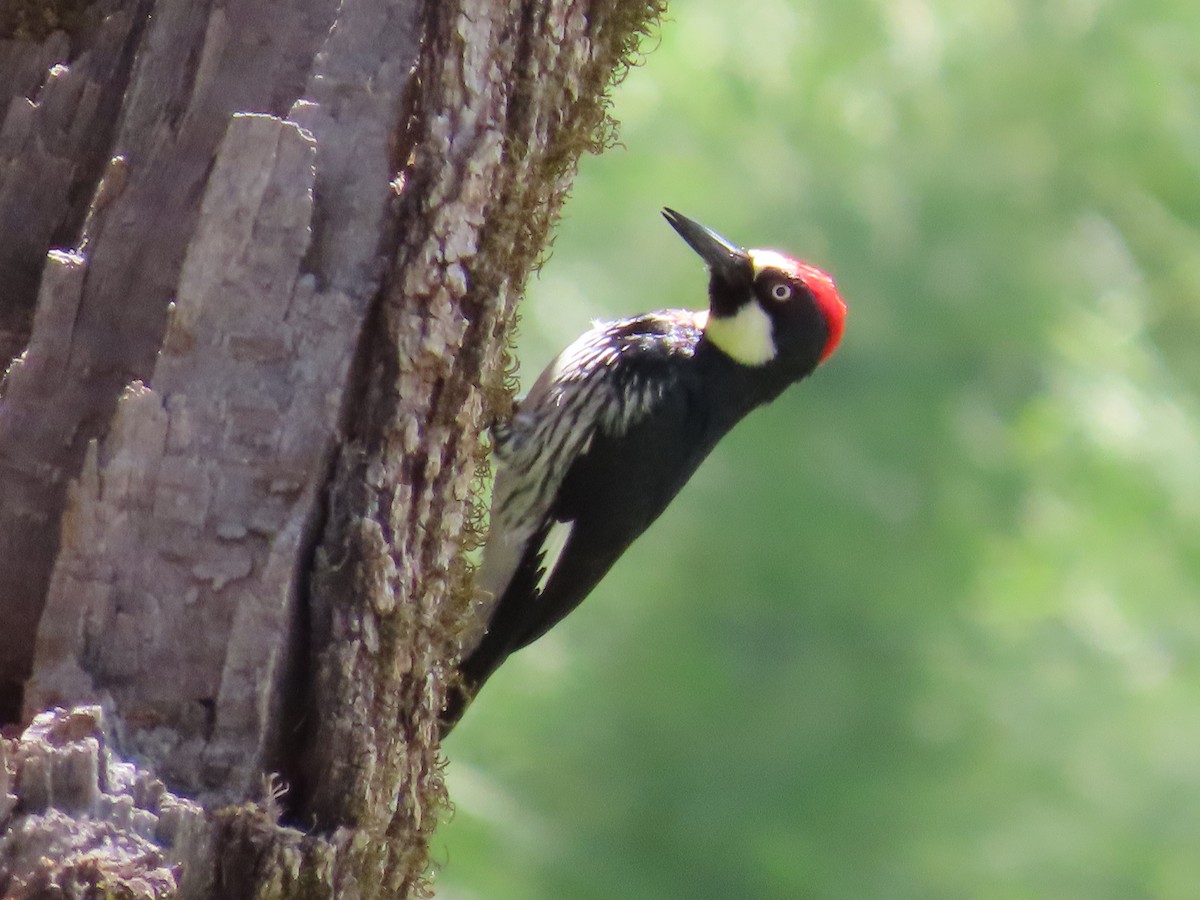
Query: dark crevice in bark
point(313, 621)
point(82, 192)
point(87, 47)
point(292, 753)
point(294, 728)
point(12, 696)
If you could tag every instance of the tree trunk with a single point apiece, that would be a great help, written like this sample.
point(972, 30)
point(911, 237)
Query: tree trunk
point(258, 266)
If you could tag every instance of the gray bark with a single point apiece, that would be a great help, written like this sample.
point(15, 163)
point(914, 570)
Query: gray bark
point(258, 264)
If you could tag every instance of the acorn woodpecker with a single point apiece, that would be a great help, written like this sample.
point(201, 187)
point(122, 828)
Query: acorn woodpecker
point(617, 424)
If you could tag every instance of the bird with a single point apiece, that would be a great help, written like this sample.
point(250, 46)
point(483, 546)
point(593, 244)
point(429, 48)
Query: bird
point(615, 426)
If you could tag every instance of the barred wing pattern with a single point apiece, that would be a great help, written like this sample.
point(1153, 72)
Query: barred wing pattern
point(609, 379)
point(605, 383)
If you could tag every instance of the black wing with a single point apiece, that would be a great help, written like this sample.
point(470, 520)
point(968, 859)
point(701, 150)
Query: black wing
point(605, 439)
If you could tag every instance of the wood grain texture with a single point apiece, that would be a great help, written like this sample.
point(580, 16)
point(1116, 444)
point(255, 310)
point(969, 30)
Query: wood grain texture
point(190, 66)
point(58, 105)
point(176, 572)
point(239, 451)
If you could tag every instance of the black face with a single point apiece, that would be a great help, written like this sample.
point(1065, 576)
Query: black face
point(799, 329)
point(731, 288)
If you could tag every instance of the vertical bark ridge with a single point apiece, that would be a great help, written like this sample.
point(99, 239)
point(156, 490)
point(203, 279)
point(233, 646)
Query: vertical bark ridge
point(511, 95)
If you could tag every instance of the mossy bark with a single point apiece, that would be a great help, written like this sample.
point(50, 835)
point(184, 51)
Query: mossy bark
point(259, 268)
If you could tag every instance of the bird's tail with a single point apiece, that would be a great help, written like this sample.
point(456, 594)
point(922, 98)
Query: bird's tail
point(476, 668)
point(507, 632)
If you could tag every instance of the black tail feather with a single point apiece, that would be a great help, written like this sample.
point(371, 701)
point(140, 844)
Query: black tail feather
point(509, 624)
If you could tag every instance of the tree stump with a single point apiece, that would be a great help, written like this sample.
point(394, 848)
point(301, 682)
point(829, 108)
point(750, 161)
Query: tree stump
point(259, 264)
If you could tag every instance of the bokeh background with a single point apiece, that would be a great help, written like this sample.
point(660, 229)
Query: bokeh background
point(928, 626)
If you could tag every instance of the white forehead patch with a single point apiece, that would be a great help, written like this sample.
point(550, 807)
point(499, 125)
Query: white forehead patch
point(771, 259)
point(746, 337)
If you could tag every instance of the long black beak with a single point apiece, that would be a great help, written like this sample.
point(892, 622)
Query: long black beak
point(726, 260)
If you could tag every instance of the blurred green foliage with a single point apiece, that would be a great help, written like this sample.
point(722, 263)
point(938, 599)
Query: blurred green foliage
point(928, 626)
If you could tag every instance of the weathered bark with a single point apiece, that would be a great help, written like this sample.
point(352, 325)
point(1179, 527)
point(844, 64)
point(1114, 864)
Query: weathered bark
point(238, 448)
point(173, 110)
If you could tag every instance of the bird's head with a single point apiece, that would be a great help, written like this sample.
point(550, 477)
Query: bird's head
point(765, 307)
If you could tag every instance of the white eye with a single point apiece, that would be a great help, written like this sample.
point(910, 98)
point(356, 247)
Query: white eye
point(781, 291)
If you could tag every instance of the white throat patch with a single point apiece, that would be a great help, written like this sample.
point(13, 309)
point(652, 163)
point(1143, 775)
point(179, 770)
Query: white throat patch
point(745, 337)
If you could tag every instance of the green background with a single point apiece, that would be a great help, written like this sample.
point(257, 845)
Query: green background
point(926, 627)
